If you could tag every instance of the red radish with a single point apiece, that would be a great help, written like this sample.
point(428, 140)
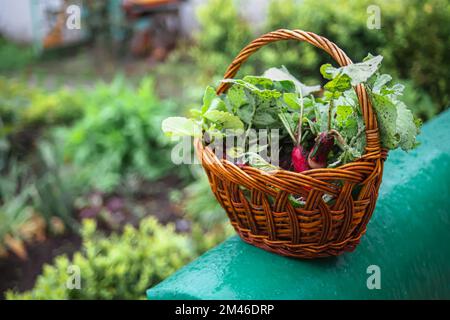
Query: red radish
point(299, 155)
point(299, 159)
point(317, 158)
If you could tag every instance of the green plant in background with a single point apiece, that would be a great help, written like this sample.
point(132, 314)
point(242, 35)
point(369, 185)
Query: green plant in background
point(418, 43)
point(56, 186)
point(223, 33)
point(413, 39)
point(210, 225)
point(14, 208)
point(14, 57)
point(35, 197)
point(301, 60)
point(54, 108)
point(23, 105)
point(27, 111)
point(119, 134)
point(418, 100)
point(199, 202)
point(115, 267)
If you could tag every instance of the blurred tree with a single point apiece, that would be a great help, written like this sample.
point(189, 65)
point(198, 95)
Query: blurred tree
point(223, 34)
point(413, 38)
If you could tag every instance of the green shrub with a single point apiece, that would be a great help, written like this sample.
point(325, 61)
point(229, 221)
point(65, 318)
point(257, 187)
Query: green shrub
point(418, 100)
point(119, 134)
point(55, 185)
point(14, 57)
point(23, 105)
point(417, 46)
point(223, 33)
point(413, 38)
point(114, 267)
point(27, 111)
point(300, 59)
point(14, 208)
point(54, 108)
point(210, 225)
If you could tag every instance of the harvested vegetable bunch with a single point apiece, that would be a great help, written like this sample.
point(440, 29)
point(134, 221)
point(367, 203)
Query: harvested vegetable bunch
point(319, 127)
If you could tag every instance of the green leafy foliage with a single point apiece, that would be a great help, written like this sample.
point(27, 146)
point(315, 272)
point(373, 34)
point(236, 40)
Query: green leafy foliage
point(223, 33)
point(412, 39)
point(23, 106)
point(114, 267)
point(210, 225)
point(119, 134)
point(280, 74)
point(356, 73)
point(276, 101)
point(55, 185)
point(27, 111)
point(14, 207)
point(212, 117)
point(398, 128)
point(14, 57)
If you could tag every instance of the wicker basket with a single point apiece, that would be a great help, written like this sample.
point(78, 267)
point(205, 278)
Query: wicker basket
point(265, 217)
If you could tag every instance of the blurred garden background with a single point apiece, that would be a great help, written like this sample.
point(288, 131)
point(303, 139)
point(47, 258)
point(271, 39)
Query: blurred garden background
point(85, 171)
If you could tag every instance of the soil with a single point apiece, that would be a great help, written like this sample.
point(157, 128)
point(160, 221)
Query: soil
point(21, 274)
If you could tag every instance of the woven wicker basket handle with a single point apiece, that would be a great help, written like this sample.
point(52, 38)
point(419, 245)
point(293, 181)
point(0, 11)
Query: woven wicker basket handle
point(373, 140)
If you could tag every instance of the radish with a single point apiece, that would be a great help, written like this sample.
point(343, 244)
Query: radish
point(317, 158)
point(299, 158)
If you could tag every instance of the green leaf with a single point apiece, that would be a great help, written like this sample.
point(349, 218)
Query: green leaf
point(340, 83)
point(280, 74)
point(288, 125)
point(235, 98)
point(260, 82)
point(380, 82)
point(321, 115)
point(406, 127)
point(343, 112)
point(245, 113)
point(398, 128)
point(328, 71)
point(256, 161)
point(195, 113)
point(291, 100)
point(263, 93)
point(266, 118)
point(349, 154)
point(285, 86)
point(179, 126)
point(228, 120)
point(386, 112)
point(208, 97)
point(358, 72)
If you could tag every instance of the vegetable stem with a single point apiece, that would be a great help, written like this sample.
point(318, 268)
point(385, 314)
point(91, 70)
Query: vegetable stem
point(300, 120)
point(330, 108)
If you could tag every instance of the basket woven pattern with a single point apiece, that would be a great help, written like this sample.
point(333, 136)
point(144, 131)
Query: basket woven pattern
point(257, 203)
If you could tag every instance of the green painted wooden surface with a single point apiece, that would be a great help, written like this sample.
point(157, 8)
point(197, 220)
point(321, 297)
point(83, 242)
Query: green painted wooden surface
point(408, 238)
